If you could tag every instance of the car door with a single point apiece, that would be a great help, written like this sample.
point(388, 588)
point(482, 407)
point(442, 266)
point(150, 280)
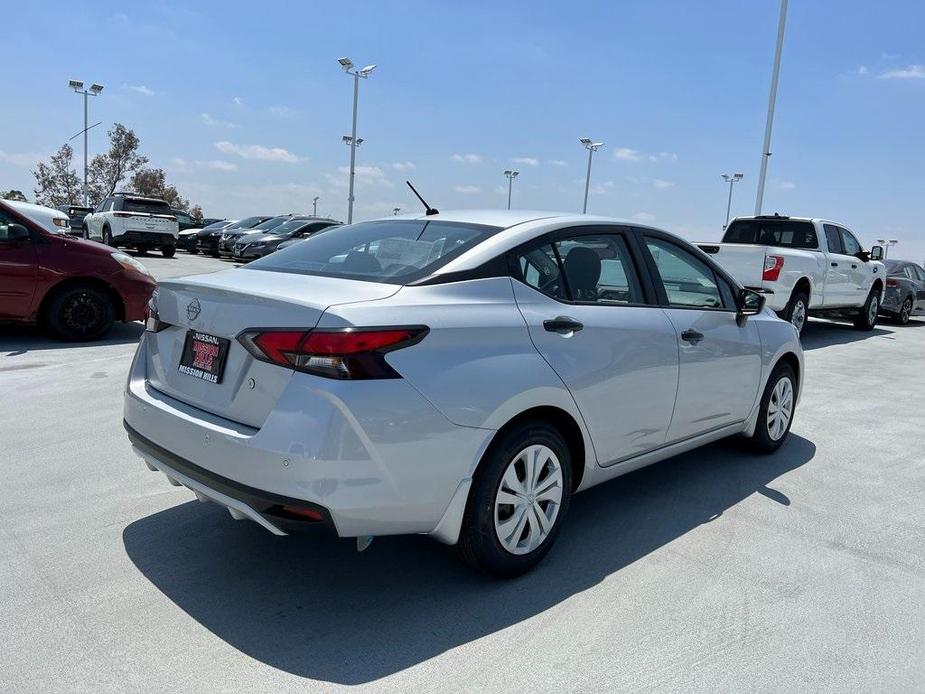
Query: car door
point(860, 273)
point(18, 270)
point(839, 289)
point(720, 359)
point(95, 221)
point(587, 312)
point(918, 280)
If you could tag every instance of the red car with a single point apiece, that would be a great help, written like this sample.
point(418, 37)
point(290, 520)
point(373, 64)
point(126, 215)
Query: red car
point(75, 288)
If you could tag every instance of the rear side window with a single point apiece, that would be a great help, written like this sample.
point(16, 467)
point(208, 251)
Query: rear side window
point(394, 252)
point(772, 232)
point(142, 205)
point(919, 273)
point(688, 281)
point(832, 239)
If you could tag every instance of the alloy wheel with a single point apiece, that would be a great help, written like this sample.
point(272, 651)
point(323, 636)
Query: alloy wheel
point(82, 314)
point(798, 317)
point(780, 408)
point(528, 499)
point(905, 313)
point(872, 311)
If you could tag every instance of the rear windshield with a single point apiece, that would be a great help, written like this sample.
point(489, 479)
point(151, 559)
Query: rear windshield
point(149, 206)
point(393, 252)
point(772, 232)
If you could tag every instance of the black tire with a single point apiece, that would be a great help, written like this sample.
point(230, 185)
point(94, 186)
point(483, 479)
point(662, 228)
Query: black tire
point(866, 318)
point(142, 250)
point(80, 313)
point(193, 250)
point(84, 232)
point(168, 251)
point(479, 544)
point(107, 236)
point(797, 306)
point(763, 440)
point(905, 312)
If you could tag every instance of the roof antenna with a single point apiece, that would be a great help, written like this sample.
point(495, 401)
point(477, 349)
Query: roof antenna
point(430, 210)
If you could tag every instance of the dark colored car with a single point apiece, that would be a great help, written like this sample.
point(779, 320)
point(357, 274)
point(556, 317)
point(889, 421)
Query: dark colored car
point(185, 220)
point(259, 244)
point(905, 290)
point(208, 241)
point(188, 240)
point(207, 221)
point(73, 287)
point(75, 215)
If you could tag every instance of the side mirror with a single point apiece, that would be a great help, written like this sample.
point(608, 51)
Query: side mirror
point(876, 253)
point(16, 232)
point(748, 303)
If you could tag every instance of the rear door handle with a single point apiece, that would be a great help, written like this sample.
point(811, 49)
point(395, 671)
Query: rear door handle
point(692, 336)
point(562, 325)
point(854, 267)
point(834, 264)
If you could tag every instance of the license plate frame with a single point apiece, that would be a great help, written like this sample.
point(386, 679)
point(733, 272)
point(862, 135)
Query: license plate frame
point(206, 363)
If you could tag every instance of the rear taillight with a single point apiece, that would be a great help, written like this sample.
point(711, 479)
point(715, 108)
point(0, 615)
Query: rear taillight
point(122, 214)
point(353, 353)
point(773, 264)
point(892, 282)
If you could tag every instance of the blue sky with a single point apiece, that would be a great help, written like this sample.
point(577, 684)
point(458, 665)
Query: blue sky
point(244, 104)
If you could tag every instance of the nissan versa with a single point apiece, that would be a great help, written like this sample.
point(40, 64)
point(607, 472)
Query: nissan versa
point(459, 375)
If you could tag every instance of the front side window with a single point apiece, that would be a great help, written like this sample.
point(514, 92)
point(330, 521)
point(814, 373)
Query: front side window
point(688, 280)
point(394, 252)
point(849, 243)
point(539, 268)
point(832, 239)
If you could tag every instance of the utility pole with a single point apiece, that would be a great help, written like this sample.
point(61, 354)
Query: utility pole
point(775, 74)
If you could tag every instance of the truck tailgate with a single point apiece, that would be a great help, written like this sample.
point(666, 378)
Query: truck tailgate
point(745, 262)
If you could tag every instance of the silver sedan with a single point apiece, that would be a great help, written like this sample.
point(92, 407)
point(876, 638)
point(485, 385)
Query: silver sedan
point(459, 375)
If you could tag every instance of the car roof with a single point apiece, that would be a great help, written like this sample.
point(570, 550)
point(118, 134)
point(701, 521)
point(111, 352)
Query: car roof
point(506, 219)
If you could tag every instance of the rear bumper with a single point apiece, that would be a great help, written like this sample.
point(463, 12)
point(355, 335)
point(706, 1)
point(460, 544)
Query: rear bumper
point(376, 456)
point(150, 238)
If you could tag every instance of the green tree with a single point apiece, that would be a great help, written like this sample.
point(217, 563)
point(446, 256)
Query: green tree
point(56, 182)
point(153, 183)
point(108, 170)
point(14, 194)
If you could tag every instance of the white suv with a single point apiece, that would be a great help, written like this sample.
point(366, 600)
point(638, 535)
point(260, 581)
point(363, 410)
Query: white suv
point(133, 221)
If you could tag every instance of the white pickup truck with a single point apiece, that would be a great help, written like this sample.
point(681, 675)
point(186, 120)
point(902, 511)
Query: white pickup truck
point(804, 267)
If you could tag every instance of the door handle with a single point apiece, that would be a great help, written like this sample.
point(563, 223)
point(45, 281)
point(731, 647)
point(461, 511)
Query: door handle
point(834, 264)
point(692, 336)
point(562, 325)
point(854, 267)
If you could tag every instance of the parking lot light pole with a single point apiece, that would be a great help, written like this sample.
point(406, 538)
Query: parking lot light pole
point(315, 206)
point(94, 90)
point(592, 147)
point(730, 179)
point(347, 64)
point(775, 73)
point(511, 175)
point(886, 243)
point(395, 211)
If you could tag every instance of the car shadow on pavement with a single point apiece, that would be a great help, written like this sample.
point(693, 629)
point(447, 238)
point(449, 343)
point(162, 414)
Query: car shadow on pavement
point(316, 608)
point(16, 340)
point(824, 333)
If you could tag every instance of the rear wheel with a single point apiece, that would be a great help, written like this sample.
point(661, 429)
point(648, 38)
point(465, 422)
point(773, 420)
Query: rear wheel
point(905, 311)
point(80, 313)
point(797, 310)
point(519, 498)
point(84, 232)
point(107, 236)
point(775, 414)
point(867, 316)
point(168, 251)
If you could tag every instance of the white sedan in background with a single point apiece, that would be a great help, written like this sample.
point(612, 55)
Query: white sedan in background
point(459, 375)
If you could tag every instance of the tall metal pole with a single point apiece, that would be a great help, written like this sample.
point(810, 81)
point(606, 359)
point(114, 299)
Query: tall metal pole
point(315, 206)
point(510, 185)
point(766, 150)
point(729, 203)
point(86, 191)
point(584, 208)
point(353, 147)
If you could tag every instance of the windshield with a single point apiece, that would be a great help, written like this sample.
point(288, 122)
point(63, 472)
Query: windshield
point(772, 232)
point(215, 226)
point(395, 252)
point(264, 227)
point(246, 223)
point(290, 226)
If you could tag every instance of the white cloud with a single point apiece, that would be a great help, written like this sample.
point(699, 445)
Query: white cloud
point(403, 166)
point(663, 156)
point(557, 162)
point(214, 122)
point(603, 188)
point(626, 154)
point(526, 161)
point(644, 217)
point(257, 152)
point(238, 101)
point(910, 72)
point(661, 183)
point(467, 189)
point(141, 89)
point(784, 185)
point(862, 70)
point(467, 158)
point(23, 160)
point(221, 165)
point(366, 174)
point(280, 110)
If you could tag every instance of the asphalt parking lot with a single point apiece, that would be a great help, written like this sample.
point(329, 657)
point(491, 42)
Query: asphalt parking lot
point(716, 570)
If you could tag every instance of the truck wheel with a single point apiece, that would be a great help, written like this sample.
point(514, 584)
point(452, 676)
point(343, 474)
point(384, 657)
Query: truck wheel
point(168, 251)
point(80, 313)
point(867, 316)
point(518, 501)
point(797, 310)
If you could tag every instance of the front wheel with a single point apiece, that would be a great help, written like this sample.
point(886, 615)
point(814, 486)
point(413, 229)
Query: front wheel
point(867, 316)
point(519, 498)
point(775, 414)
point(80, 313)
point(168, 251)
